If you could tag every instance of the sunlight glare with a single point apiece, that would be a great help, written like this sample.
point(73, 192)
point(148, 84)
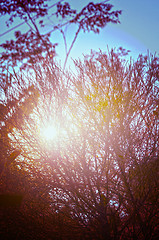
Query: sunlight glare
point(49, 133)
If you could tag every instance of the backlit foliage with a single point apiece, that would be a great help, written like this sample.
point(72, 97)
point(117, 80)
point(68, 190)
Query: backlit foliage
point(101, 172)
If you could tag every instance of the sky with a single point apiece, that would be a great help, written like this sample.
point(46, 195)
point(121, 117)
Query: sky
point(137, 32)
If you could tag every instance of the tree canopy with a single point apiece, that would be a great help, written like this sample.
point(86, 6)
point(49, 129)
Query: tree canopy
point(100, 170)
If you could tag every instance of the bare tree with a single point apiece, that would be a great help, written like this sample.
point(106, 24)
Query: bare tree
point(101, 167)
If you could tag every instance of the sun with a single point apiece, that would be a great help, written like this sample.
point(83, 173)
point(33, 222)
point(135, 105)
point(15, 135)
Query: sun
point(49, 132)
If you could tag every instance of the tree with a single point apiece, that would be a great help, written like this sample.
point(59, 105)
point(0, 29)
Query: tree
point(116, 110)
point(98, 169)
point(33, 45)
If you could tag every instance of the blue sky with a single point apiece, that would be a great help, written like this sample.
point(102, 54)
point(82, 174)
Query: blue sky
point(138, 31)
point(140, 20)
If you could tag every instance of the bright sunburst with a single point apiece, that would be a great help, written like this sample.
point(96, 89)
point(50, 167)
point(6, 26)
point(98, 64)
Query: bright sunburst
point(49, 132)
